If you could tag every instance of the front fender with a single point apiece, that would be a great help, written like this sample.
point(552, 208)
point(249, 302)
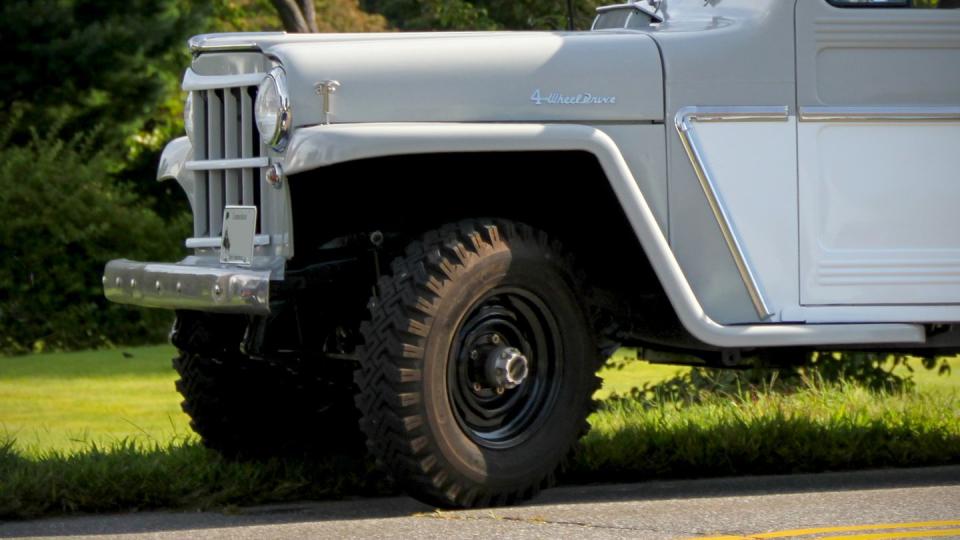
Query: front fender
point(173, 166)
point(319, 146)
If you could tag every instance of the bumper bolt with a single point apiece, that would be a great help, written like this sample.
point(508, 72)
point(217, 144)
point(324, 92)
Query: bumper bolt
point(157, 285)
point(217, 290)
point(133, 284)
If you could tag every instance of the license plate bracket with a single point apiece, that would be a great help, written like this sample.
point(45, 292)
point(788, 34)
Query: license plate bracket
point(239, 234)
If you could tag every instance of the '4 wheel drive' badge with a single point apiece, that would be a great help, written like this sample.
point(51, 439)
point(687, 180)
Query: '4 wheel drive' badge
point(558, 98)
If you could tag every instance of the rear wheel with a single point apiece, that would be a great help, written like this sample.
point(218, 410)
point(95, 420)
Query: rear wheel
point(478, 366)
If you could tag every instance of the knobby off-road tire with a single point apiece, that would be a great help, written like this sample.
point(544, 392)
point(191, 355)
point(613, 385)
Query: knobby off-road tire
point(430, 406)
point(248, 408)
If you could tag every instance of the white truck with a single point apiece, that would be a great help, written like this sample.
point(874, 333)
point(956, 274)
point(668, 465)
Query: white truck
point(439, 237)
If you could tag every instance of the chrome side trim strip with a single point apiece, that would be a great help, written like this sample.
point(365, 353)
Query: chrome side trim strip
point(684, 120)
point(215, 241)
point(879, 114)
point(220, 164)
point(651, 11)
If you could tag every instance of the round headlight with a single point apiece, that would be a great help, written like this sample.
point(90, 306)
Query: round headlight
point(188, 116)
point(273, 113)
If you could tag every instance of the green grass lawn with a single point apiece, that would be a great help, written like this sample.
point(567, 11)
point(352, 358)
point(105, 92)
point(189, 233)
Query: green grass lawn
point(65, 401)
point(102, 431)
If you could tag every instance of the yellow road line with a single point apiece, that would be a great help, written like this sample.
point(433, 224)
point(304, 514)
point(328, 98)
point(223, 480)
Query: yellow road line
point(847, 528)
point(902, 534)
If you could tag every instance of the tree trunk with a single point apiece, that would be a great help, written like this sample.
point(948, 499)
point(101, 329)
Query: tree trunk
point(309, 11)
point(298, 16)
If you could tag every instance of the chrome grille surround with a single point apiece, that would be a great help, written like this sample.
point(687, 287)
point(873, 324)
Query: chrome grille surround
point(229, 160)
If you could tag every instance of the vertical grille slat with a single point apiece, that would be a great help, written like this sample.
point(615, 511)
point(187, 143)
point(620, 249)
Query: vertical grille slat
point(231, 144)
point(246, 142)
point(263, 186)
point(215, 151)
point(200, 223)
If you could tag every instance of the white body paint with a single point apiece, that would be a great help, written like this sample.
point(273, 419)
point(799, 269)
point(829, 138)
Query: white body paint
point(879, 220)
point(845, 219)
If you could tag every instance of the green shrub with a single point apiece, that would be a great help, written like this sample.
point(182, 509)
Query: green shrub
point(63, 218)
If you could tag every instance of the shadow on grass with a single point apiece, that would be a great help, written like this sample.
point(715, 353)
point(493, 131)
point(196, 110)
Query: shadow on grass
point(631, 440)
point(131, 476)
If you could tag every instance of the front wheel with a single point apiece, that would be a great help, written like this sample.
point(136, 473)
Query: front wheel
point(478, 365)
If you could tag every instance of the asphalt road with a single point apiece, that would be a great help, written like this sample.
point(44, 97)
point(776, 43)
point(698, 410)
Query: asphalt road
point(912, 503)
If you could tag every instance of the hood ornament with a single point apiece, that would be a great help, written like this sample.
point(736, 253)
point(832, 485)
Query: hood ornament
point(326, 90)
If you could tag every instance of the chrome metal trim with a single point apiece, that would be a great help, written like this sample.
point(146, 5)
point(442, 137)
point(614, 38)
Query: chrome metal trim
point(274, 176)
point(653, 11)
point(192, 81)
point(221, 164)
point(210, 242)
point(185, 286)
point(326, 90)
point(879, 114)
point(278, 139)
point(224, 42)
point(684, 120)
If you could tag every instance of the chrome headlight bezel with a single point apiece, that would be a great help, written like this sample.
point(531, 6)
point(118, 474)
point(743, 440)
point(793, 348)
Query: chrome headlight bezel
point(274, 115)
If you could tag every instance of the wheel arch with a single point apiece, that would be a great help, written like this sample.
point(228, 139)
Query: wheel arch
point(549, 177)
point(318, 156)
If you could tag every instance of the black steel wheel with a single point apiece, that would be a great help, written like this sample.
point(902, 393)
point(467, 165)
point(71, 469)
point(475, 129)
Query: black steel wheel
point(478, 365)
point(515, 328)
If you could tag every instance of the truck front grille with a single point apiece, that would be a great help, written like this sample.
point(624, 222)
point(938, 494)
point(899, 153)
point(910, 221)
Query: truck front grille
point(229, 159)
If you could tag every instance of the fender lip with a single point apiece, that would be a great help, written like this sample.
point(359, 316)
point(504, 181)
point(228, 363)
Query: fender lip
point(189, 286)
point(319, 146)
point(173, 166)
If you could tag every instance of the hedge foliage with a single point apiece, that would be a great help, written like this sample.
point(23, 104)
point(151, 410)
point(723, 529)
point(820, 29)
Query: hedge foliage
point(63, 218)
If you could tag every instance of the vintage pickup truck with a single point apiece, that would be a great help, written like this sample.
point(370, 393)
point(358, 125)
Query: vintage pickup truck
point(439, 237)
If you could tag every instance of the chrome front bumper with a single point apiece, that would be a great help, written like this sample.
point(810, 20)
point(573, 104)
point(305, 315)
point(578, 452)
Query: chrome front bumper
point(190, 284)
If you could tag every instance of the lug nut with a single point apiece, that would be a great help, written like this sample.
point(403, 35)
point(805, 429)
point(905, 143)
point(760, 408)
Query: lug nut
point(495, 339)
point(500, 390)
point(477, 387)
point(474, 354)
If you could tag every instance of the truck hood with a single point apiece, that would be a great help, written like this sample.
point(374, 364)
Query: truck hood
point(469, 77)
